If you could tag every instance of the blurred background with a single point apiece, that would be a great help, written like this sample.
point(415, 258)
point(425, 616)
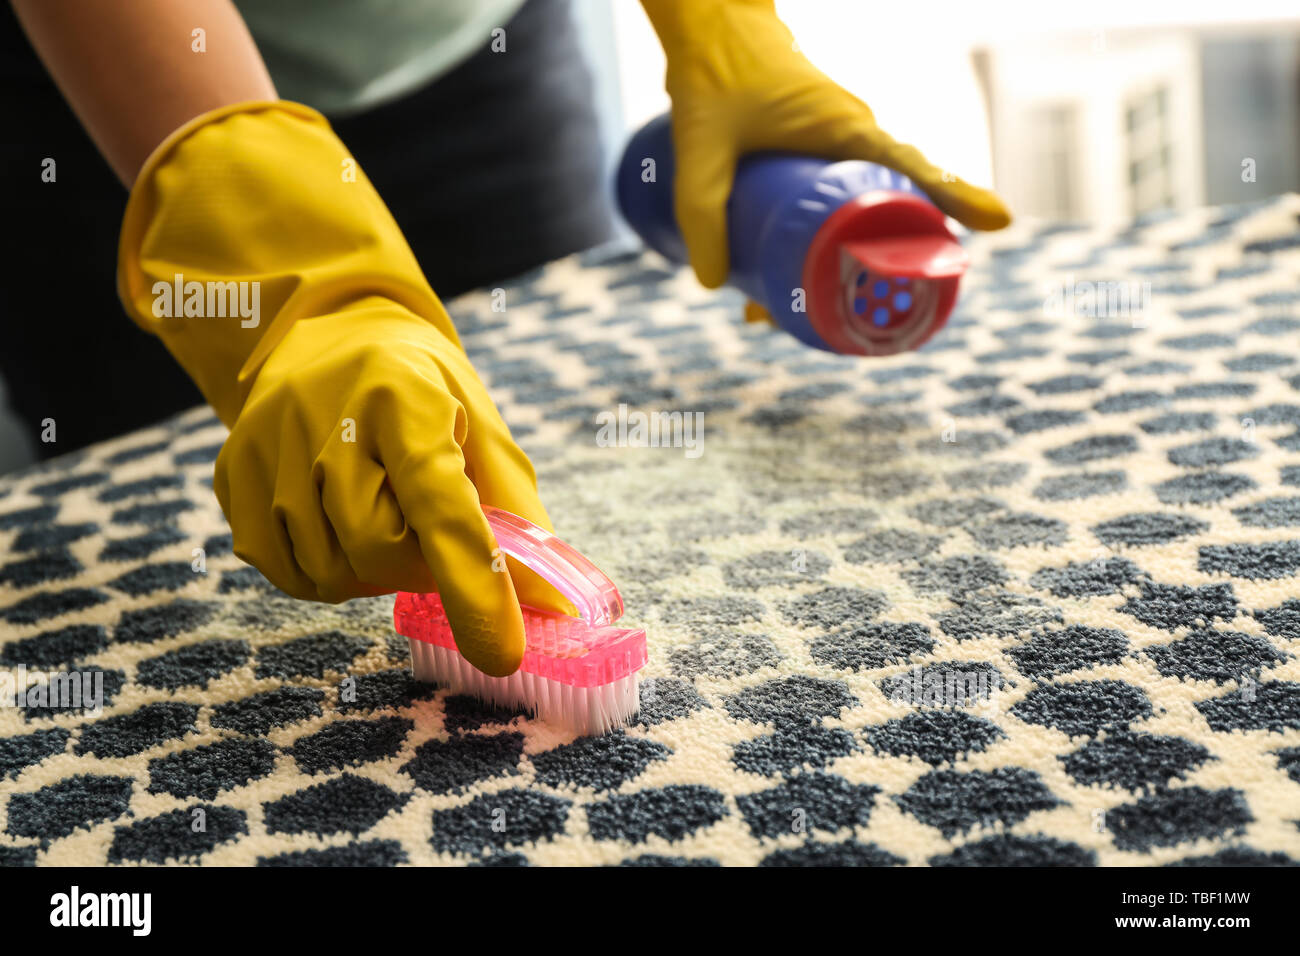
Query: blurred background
point(1097, 111)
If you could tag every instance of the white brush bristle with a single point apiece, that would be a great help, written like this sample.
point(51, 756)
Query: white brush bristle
point(584, 710)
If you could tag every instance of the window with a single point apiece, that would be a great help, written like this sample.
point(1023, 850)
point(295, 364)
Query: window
point(1150, 155)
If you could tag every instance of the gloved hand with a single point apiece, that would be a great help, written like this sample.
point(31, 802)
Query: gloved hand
point(362, 443)
point(739, 85)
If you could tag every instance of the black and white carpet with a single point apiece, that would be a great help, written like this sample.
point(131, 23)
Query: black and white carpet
point(1029, 596)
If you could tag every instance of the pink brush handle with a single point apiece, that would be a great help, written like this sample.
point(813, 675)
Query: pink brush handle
point(591, 591)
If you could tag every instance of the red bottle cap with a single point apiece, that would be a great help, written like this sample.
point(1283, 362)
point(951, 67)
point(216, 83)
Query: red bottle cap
point(881, 274)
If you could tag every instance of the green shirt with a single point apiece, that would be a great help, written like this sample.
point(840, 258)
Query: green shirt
point(344, 56)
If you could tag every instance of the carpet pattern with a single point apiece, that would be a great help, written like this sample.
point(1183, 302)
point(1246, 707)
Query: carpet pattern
point(1028, 596)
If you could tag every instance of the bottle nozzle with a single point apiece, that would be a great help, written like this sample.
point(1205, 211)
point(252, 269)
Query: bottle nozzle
point(882, 274)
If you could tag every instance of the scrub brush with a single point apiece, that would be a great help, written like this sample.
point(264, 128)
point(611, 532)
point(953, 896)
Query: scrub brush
point(579, 673)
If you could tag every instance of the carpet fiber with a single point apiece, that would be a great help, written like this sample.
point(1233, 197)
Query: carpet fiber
point(1029, 596)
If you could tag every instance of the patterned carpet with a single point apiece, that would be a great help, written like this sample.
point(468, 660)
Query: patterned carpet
point(1029, 596)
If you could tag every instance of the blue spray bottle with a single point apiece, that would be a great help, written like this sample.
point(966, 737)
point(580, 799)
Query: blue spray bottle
point(850, 257)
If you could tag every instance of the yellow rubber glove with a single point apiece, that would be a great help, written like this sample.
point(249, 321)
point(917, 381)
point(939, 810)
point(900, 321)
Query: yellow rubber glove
point(362, 443)
point(738, 85)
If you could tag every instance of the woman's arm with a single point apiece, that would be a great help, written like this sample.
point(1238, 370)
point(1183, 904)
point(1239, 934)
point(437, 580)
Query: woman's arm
point(739, 85)
point(132, 72)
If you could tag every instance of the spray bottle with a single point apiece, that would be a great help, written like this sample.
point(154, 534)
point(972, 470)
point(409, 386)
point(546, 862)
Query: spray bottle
point(851, 257)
